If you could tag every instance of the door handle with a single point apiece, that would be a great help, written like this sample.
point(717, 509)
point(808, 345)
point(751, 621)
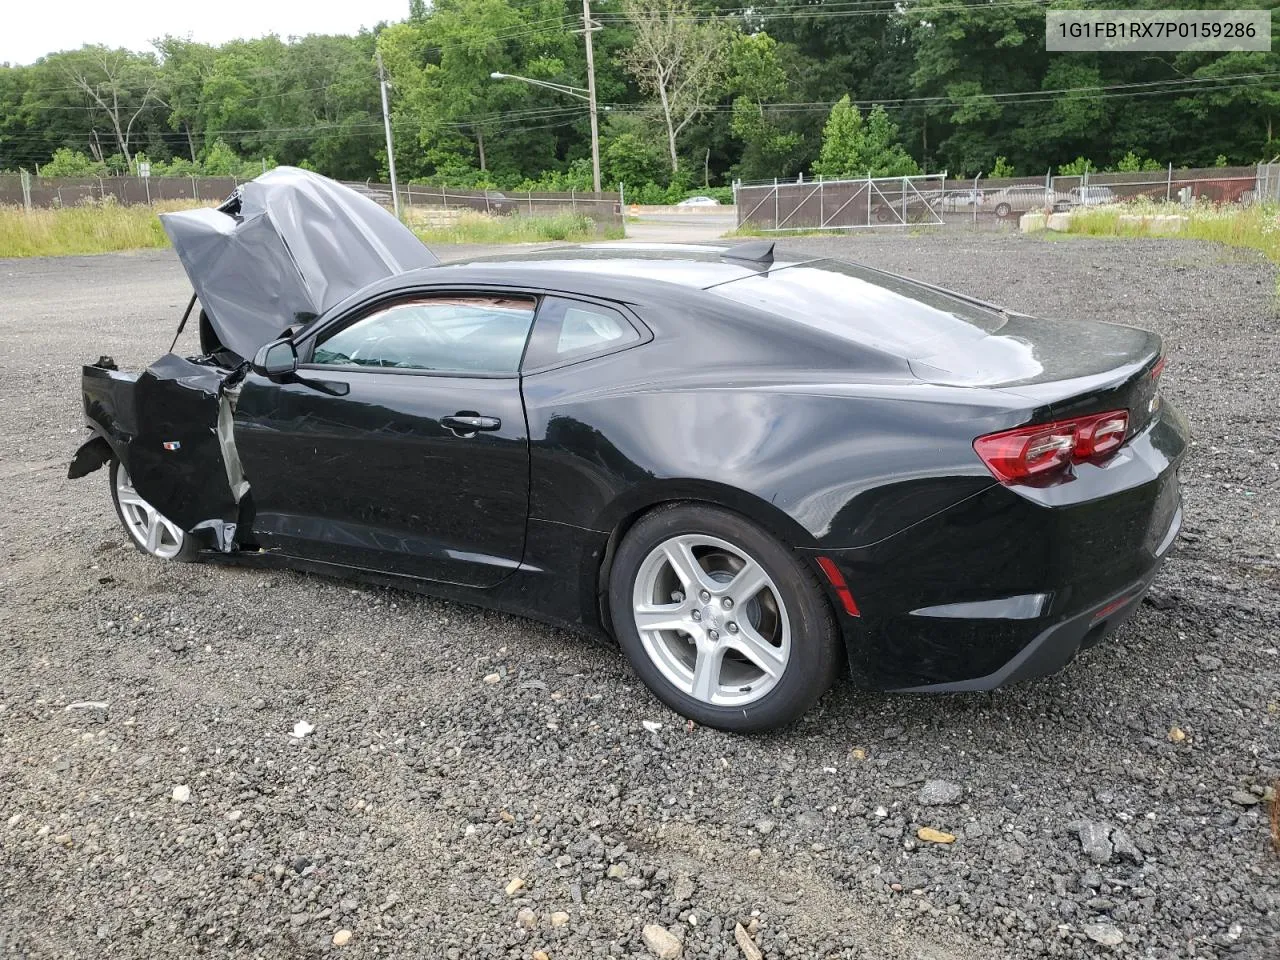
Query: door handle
point(467, 424)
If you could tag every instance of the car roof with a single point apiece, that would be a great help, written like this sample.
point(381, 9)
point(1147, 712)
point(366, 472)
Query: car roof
point(699, 266)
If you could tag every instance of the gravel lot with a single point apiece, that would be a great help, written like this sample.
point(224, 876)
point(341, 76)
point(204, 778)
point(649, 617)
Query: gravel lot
point(1114, 810)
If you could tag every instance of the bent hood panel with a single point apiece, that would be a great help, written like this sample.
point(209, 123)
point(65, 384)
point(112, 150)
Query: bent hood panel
point(286, 247)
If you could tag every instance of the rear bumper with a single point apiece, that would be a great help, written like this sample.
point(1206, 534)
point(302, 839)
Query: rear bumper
point(1010, 584)
point(1056, 646)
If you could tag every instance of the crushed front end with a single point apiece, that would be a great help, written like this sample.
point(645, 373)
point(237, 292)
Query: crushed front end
point(170, 427)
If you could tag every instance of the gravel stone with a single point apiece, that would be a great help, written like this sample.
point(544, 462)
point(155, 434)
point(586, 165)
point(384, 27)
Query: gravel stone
point(1124, 847)
point(1104, 933)
point(748, 947)
point(661, 942)
point(683, 889)
point(937, 793)
point(1095, 841)
point(412, 748)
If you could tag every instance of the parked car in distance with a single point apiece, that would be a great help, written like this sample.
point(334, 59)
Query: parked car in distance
point(955, 200)
point(1018, 199)
point(699, 202)
point(750, 471)
point(1084, 197)
point(495, 201)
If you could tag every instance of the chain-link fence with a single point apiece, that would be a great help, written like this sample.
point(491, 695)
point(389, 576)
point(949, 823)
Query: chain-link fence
point(841, 204)
point(439, 205)
point(18, 189)
point(938, 200)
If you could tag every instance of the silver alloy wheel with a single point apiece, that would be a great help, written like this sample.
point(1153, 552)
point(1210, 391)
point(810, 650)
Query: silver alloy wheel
point(149, 529)
point(711, 620)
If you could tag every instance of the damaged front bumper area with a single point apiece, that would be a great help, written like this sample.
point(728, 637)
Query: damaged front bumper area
point(171, 428)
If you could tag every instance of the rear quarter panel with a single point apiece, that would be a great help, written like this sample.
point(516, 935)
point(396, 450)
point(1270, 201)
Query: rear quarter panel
point(820, 464)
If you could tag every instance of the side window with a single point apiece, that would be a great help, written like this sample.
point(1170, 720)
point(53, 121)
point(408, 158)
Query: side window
point(573, 330)
point(451, 334)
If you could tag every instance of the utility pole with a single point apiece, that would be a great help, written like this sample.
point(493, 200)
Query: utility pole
point(386, 123)
point(587, 29)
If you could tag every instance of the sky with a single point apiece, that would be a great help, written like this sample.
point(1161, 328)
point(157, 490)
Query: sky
point(32, 30)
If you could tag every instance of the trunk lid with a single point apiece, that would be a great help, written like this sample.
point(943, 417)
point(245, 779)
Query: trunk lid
point(1042, 358)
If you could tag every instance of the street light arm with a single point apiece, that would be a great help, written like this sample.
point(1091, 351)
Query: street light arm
point(579, 92)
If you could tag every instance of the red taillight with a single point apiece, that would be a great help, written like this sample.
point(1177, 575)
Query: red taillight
point(1102, 435)
point(1040, 451)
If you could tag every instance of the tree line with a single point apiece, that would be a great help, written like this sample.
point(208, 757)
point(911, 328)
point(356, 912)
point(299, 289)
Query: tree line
point(693, 94)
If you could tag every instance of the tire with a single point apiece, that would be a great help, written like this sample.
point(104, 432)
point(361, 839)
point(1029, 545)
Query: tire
point(174, 543)
point(1003, 210)
point(785, 622)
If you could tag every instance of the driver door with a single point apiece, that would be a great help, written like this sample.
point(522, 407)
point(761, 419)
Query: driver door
point(400, 446)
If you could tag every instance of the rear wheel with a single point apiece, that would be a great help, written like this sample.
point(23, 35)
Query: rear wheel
point(150, 531)
point(1003, 210)
point(720, 620)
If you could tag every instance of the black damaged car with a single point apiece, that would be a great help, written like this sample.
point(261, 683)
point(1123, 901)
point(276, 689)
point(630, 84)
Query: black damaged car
point(752, 472)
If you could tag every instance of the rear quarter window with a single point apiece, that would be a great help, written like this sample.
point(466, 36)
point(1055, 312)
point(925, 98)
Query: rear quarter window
point(569, 330)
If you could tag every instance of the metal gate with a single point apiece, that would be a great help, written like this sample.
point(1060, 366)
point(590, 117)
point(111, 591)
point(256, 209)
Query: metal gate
point(842, 204)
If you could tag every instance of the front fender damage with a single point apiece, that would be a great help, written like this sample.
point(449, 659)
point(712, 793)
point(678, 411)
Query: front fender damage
point(172, 428)
point(93, 453)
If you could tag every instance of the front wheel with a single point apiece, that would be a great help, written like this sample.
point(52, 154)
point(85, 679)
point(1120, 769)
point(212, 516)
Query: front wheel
point(1003, 210)
point(150, 531)
point(721, 621)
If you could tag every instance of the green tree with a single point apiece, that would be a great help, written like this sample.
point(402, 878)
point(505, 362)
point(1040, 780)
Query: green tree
point(757, 76)
point(1002, 168)
point(853, 147)
point(184, 68)
point(117, 85)
point(631, 158)
point(677, 58)
point(72, 163)
point(1133, 162)
point(462, 119)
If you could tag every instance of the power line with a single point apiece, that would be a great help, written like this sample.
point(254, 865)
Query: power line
point(1174, 86)
point(818, 12)
point(1185, 85)
point(565, 113)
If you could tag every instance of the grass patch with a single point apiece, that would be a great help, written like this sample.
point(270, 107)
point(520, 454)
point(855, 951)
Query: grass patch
point(485, 229)
point(83, 229)
point(1255, 227)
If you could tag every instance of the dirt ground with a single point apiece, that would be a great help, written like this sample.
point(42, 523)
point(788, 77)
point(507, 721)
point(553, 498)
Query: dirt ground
point(1118, 809)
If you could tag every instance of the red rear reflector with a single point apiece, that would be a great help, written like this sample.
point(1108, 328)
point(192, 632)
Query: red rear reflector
point(1158, 369)
point(1042, 450)
point(1111, 608)
point(842, 589)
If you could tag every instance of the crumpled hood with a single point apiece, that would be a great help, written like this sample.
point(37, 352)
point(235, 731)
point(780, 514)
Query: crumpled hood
point(284, 248)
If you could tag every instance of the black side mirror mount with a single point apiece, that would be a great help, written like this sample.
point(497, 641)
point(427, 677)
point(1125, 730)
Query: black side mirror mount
point(276, 361)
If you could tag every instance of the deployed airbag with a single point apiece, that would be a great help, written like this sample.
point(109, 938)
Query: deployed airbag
point(283, 249)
